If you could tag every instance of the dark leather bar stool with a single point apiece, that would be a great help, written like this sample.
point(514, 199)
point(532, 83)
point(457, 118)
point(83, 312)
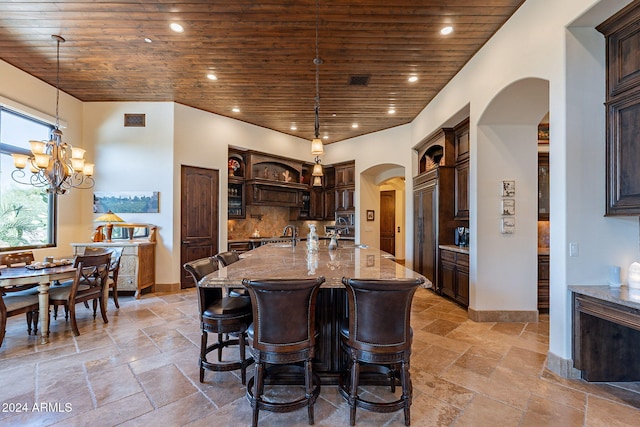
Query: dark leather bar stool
point(379, 334)
point(225, 259)
point(220, 315)
point(283, 333)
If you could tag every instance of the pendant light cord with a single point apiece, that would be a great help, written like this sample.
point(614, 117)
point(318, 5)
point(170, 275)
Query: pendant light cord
point(317, 61)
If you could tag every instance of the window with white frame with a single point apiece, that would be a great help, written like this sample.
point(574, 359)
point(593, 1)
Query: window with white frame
point(27, 213)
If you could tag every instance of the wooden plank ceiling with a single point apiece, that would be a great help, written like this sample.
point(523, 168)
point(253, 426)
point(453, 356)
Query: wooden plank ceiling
point(261, 52)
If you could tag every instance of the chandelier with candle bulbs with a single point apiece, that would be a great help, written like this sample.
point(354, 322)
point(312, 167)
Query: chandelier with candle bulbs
point(53, 164)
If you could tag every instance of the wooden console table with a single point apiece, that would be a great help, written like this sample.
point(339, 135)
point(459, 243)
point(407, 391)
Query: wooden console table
point(137, 264)
point(606, 333)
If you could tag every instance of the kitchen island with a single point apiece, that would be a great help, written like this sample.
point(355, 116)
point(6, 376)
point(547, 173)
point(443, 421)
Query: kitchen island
point(285, 261)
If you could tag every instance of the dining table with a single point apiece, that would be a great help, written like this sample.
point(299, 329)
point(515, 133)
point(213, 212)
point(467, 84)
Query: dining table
point(44, 277)
point(285, 260)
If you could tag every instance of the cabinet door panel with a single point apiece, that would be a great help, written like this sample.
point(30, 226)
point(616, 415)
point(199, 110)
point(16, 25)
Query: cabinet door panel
point(448, 279)
point(623, 157)
point(462, 191)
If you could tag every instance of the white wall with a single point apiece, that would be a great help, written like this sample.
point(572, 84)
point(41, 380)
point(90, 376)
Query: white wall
point(137, 159)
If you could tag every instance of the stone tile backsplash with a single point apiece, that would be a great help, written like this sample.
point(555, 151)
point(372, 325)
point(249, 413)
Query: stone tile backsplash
point(270, 222)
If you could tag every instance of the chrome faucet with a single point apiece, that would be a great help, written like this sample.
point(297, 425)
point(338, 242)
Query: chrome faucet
point(342, 225)
point(294, 235)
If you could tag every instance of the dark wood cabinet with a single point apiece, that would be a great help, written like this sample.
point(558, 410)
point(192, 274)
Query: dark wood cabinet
point(434, 202)
point(424, 229)
point(345, 174)
point(316, 208)
point(461, 189)
point(454, 276)
point(345, 199)
point(543, 282)
point(236, 196)
point(605, 338)
point(273, 195)
point(543, 187)
point(622, 33)
point(345, 189)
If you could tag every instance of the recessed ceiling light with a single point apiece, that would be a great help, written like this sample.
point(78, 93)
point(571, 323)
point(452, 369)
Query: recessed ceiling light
point(212, 76)
point(392, 111)
point(413, 79)
point(446, 30)
point(354, 126)
point(334, 115)
point(176, 27)
point(294, 127)
point(235, 109)
point(148, 40)
point(325, 137)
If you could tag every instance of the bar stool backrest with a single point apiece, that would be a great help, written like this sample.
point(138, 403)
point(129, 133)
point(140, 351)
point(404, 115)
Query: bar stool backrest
point(198, 269)
point(380, 313)
point(283, 313)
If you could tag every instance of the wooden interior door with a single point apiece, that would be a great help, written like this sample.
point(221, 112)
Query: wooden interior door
point(198, 218)
point(388, 221)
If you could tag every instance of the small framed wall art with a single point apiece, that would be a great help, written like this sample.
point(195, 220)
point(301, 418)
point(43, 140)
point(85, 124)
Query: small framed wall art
point(508, 225)
point(370, 215)
point(508, 188)
point(508, 207)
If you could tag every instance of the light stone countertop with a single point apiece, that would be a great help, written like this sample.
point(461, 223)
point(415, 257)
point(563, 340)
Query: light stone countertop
point(622, 295)
point(283, 261)
point(455, 248)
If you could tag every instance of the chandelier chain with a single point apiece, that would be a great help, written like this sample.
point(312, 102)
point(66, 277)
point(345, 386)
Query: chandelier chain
point(57, 83)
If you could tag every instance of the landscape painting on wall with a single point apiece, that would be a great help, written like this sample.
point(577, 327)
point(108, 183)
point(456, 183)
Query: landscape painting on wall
point(126, 201)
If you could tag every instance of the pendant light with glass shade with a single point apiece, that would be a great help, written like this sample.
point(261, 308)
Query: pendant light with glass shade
point(53, 164)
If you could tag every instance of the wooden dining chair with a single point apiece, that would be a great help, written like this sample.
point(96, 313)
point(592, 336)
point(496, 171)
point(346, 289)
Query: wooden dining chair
point(114, 267)
point(92, 272)
point(19, 299)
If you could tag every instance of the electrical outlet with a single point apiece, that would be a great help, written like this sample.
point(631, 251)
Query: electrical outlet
point(574, 249)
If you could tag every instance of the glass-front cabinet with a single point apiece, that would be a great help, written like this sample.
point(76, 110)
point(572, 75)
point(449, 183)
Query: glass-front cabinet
point(236, 199)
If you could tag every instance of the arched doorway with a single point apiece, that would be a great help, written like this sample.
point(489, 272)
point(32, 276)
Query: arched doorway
point(507, 151)
point(376, 215)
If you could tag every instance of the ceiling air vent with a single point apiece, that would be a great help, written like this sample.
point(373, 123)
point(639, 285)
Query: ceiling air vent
point(362, 80)
point(134, 120)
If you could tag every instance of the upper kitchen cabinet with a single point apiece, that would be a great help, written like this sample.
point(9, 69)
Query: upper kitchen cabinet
point(236, 191)
point(622, 33)
point(437, 151)
point(275, 181)
point(461, 182)
point(345, 174)
point(345, 186)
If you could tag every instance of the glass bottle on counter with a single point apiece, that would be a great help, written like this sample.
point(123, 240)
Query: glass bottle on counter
point(312, 239)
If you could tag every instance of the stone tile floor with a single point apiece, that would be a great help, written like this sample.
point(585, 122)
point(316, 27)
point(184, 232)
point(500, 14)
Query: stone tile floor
point(141, 369)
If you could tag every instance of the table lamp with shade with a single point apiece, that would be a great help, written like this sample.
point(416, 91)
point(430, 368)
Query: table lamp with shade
point(109, 217)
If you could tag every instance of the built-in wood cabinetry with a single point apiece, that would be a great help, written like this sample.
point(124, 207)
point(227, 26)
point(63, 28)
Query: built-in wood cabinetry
point(454, 275)
point(236, 190)
point(345, 187)
point(433, 201)
point(622, 33)
point(543, 282)
point(461, 132)
point(137, 264)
